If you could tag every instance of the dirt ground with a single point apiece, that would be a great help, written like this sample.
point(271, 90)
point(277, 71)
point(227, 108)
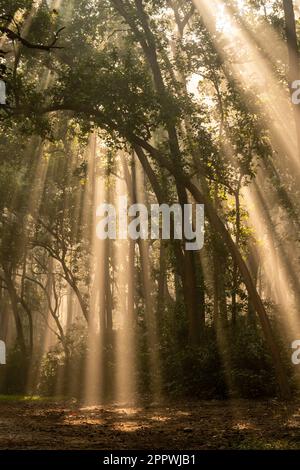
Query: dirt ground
point(189, 426)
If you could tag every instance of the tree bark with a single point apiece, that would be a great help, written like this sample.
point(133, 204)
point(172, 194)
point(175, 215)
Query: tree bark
point(15, 308)
point(293, 54)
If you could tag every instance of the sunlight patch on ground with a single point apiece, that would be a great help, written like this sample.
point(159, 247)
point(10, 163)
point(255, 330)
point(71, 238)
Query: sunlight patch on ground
point(243, 426)
point(128, 411)
point(294, 421)
point(160, 419)
point(182, 413)
point(82, 421)
point(130, 426)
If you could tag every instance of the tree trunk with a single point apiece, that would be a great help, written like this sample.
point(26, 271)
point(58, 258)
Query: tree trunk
point(15, 308)
point(186, 264)
point(293, 53)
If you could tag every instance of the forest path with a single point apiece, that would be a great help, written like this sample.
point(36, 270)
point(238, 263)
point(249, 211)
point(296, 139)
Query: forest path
point(236, 424)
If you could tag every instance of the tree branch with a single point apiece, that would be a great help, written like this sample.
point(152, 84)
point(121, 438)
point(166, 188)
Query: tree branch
point(16, 36)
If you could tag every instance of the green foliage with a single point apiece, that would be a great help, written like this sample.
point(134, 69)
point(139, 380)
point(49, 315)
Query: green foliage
point(14, 375)
point(58, 373)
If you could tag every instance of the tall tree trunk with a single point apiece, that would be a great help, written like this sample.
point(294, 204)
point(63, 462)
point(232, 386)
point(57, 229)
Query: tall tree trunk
point(186, 264)
point(252, 262)
point(235, 281)
point(161, 294)
point(147, 42)
point(293, 53)
point(15, 308)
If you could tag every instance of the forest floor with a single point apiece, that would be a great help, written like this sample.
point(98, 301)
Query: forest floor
point(237, 424)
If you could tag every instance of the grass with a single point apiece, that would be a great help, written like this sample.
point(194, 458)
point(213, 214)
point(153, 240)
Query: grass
point(261, 444)
point(33, 398)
